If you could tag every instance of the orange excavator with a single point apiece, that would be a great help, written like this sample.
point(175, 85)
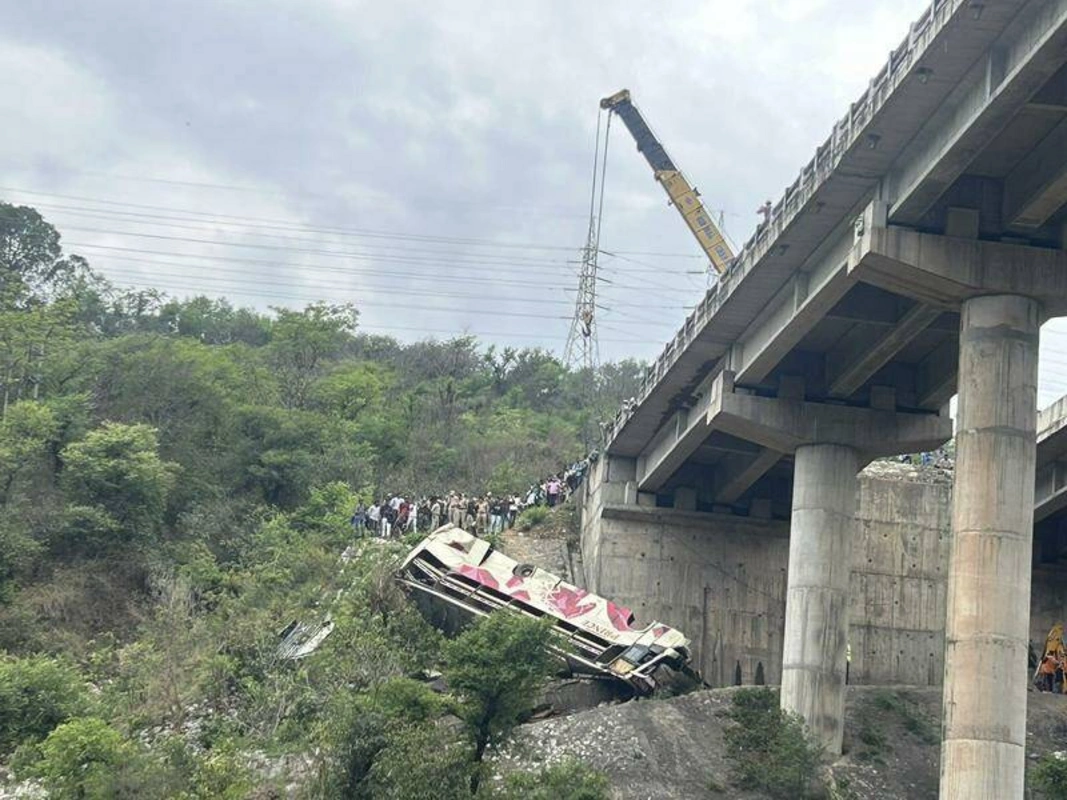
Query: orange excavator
point(1049, 675)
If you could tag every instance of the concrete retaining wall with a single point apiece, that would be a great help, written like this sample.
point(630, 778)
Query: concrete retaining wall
point(720, 578)
point(899, 575)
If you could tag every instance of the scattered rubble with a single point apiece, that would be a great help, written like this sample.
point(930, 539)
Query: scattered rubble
point(894, 469)
point(665, 749)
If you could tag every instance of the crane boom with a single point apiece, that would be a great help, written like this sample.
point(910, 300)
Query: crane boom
point(683, 196)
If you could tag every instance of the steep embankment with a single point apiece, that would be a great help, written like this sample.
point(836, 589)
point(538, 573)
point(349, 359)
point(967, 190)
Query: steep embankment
point(673, 748)
point(551, 545)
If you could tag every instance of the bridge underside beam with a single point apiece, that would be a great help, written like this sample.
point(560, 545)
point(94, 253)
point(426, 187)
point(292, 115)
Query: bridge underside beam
point(854, 363)
point(1050, 490)
point(797, 310)
point(1035, 189)
point(675, 443)
point(784, 425)
point(731, 483)
point(943, 271)
point(1005, 78)
point(936, 376)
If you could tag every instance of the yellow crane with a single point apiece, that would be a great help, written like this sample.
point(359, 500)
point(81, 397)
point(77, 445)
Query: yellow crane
point(682, 195)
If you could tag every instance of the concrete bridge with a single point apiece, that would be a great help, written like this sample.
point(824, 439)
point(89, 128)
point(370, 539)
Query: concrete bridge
point(913, 259)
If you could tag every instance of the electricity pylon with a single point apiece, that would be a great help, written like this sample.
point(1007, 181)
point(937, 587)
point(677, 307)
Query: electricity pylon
point(582, 351)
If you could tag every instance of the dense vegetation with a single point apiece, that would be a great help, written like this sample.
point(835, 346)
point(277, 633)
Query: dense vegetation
point(176, 479)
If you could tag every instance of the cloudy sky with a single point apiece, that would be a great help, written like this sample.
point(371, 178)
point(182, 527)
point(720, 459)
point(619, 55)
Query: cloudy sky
point(430, 162)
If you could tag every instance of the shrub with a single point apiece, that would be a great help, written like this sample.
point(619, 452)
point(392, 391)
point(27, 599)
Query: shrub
point(180, 771)
point(421, 762)
point(84, 758)
point(37, 693)
point(496, 666)
point(914, 719)
point(531, 517)
point(771, 749)
point(570, 780)
point(361, 727)
point(1049, 776)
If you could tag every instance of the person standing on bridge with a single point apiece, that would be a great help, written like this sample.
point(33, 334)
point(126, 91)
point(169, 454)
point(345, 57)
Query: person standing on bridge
point(765, 211)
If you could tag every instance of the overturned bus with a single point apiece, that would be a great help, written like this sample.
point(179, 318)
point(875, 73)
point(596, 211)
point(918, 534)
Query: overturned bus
point(455, 576)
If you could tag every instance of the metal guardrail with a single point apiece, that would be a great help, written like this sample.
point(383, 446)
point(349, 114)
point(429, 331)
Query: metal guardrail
point(827, 156)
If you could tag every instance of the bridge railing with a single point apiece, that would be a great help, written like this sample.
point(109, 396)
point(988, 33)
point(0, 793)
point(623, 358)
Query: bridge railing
point(845, 134)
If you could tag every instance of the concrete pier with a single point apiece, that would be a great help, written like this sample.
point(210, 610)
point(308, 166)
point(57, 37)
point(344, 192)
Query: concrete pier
point(829, 444)
point(816, 614)
point(983, 749)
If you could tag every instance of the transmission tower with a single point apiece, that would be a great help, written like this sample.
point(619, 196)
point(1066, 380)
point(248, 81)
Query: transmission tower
point(582, 350)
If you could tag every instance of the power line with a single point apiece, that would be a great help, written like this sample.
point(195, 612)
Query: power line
point(416, 199)
point(362, 325)
point(228, 279)
point(323, 267)
point(307, 294)
point(302, 269)
point(281, 224)
point(341, 294)
point(372, 289)
point(424, 254)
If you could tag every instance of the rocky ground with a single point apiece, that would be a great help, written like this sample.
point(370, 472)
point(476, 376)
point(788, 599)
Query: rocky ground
point(551, 545)
point(673, 748)
point(894, 469)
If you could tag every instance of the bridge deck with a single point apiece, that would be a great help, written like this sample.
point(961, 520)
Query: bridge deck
point(954, 119)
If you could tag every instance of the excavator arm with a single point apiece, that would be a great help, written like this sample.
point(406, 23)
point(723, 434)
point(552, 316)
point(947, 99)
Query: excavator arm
point(683, 196)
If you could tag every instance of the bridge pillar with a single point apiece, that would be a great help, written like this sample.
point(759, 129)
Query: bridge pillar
point(830, 444)
point(1004, 291)
point(983, 751)
point(816, 610)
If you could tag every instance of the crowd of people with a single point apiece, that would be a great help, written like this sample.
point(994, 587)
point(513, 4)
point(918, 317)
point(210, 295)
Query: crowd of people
point(939, 458)
point(481, 514)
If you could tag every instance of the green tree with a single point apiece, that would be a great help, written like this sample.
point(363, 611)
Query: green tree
point(116, 479)
point(37, 693)
point(25, 433)
point(215, 322)
point(496, 667)
point(302, 342)
point(82, 759)
point(28, 334)
point(31, 258)
point(352, 389)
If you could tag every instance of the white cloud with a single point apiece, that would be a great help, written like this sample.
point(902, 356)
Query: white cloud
point(472, 119)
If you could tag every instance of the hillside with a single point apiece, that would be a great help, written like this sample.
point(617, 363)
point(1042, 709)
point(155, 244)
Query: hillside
point(177, 480)
point(671, 748)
